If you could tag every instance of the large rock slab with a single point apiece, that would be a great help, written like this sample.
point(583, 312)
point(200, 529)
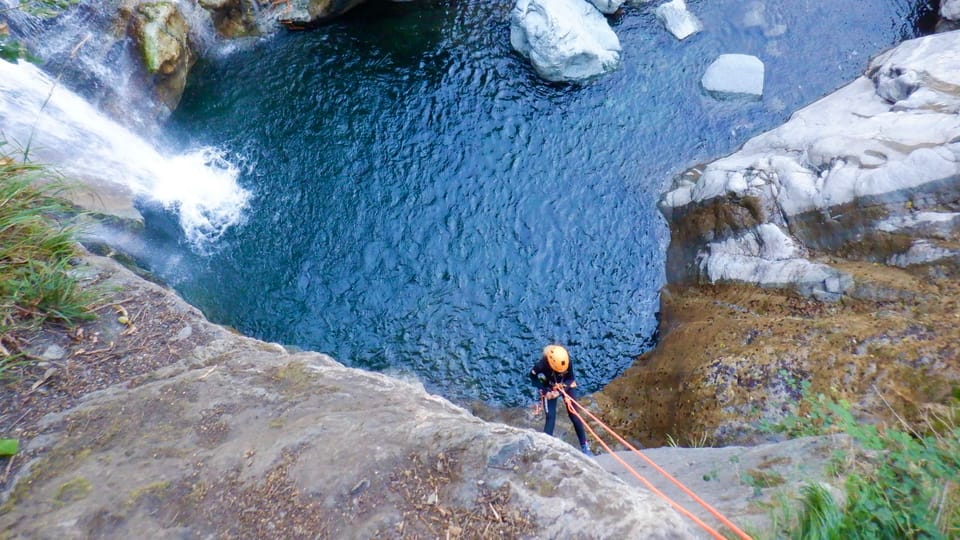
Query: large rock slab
point(565, 40)
point(241, 438)
point(742, 483)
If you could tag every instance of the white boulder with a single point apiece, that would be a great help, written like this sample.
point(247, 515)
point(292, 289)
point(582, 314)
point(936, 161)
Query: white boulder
point(734, 74)
point(607, 6)
point(675, 17)
point(565, 40)
point(950, 9)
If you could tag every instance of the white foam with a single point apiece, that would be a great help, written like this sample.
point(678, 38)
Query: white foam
point(61, 129)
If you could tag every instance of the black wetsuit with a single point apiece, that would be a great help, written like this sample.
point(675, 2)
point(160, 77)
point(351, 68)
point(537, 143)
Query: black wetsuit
point(545, 378)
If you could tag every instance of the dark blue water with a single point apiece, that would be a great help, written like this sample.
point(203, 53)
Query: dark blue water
point(423, 204)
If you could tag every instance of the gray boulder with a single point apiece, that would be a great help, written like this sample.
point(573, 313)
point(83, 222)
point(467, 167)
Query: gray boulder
point(565, 40)
point(734, 74)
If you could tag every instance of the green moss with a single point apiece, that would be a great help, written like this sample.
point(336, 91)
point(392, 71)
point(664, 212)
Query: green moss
point(72, 491)
point(154, 489)
point(762, 479)
point(294, 378)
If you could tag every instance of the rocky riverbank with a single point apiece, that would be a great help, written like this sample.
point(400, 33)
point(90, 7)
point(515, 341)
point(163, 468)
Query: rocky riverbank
point(823, 253)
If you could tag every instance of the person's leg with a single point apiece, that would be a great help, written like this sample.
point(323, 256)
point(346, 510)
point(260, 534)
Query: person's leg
point(551, 416)
point(578, 427)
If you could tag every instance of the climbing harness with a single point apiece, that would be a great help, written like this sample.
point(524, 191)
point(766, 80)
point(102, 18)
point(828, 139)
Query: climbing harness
point(572, 406)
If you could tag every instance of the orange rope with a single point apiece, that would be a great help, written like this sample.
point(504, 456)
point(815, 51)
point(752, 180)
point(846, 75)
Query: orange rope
point(647, 483)
point(570, 402)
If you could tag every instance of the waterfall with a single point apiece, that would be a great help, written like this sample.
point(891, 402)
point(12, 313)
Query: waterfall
point(62, 129)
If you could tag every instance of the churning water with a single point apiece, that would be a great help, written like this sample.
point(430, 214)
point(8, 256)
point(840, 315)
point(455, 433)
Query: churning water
point(422, 203)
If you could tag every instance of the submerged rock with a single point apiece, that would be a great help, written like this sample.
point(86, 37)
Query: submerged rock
point(677, 19)
point(565, 40)
point(734, 74)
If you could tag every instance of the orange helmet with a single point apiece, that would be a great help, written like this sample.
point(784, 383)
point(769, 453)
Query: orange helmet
point(557, 357)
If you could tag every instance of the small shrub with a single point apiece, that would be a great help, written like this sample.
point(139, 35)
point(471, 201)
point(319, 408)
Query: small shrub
point(36, 250)
point(903, 486)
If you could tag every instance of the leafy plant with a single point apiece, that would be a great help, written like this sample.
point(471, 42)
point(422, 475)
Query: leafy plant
point(9, 447)
point(902, 485)
point(36, 250)
point(46, 8)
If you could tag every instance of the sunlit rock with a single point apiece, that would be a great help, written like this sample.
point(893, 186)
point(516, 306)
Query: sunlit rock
point(677, 19)
point(870, 172)
point(565, 40)
point(162, 33)
point(734, 74)
point(768, 257)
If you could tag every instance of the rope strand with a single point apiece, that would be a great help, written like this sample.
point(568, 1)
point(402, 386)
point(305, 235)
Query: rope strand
point(572, 405)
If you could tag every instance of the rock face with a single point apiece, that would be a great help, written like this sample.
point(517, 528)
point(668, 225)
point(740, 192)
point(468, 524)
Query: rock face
point(741, 483)
point(565, 40)
point(734, 74)
point(870, 170)
point(307, 12)
point(241, 438)
point(232, 18)
point(162, 34)
point(855, 199)
point(677, 19)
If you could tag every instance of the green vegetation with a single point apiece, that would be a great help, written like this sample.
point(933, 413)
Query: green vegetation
point(12, 49)
point(9, 447)
point(900, 482)
point(73, 490)
point(36, 250)
point(46, 8)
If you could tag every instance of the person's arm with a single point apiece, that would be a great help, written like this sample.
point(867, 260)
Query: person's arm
point(538, 377)
point(570, 381)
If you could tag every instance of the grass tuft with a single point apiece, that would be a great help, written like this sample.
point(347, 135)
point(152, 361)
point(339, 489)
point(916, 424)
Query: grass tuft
point(36, 254)
point(902, 482)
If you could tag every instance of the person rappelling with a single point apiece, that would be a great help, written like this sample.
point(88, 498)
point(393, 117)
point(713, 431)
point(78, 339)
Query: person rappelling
point(553, 372)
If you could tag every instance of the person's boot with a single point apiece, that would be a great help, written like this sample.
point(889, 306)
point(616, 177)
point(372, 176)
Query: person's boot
point(586, 449)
